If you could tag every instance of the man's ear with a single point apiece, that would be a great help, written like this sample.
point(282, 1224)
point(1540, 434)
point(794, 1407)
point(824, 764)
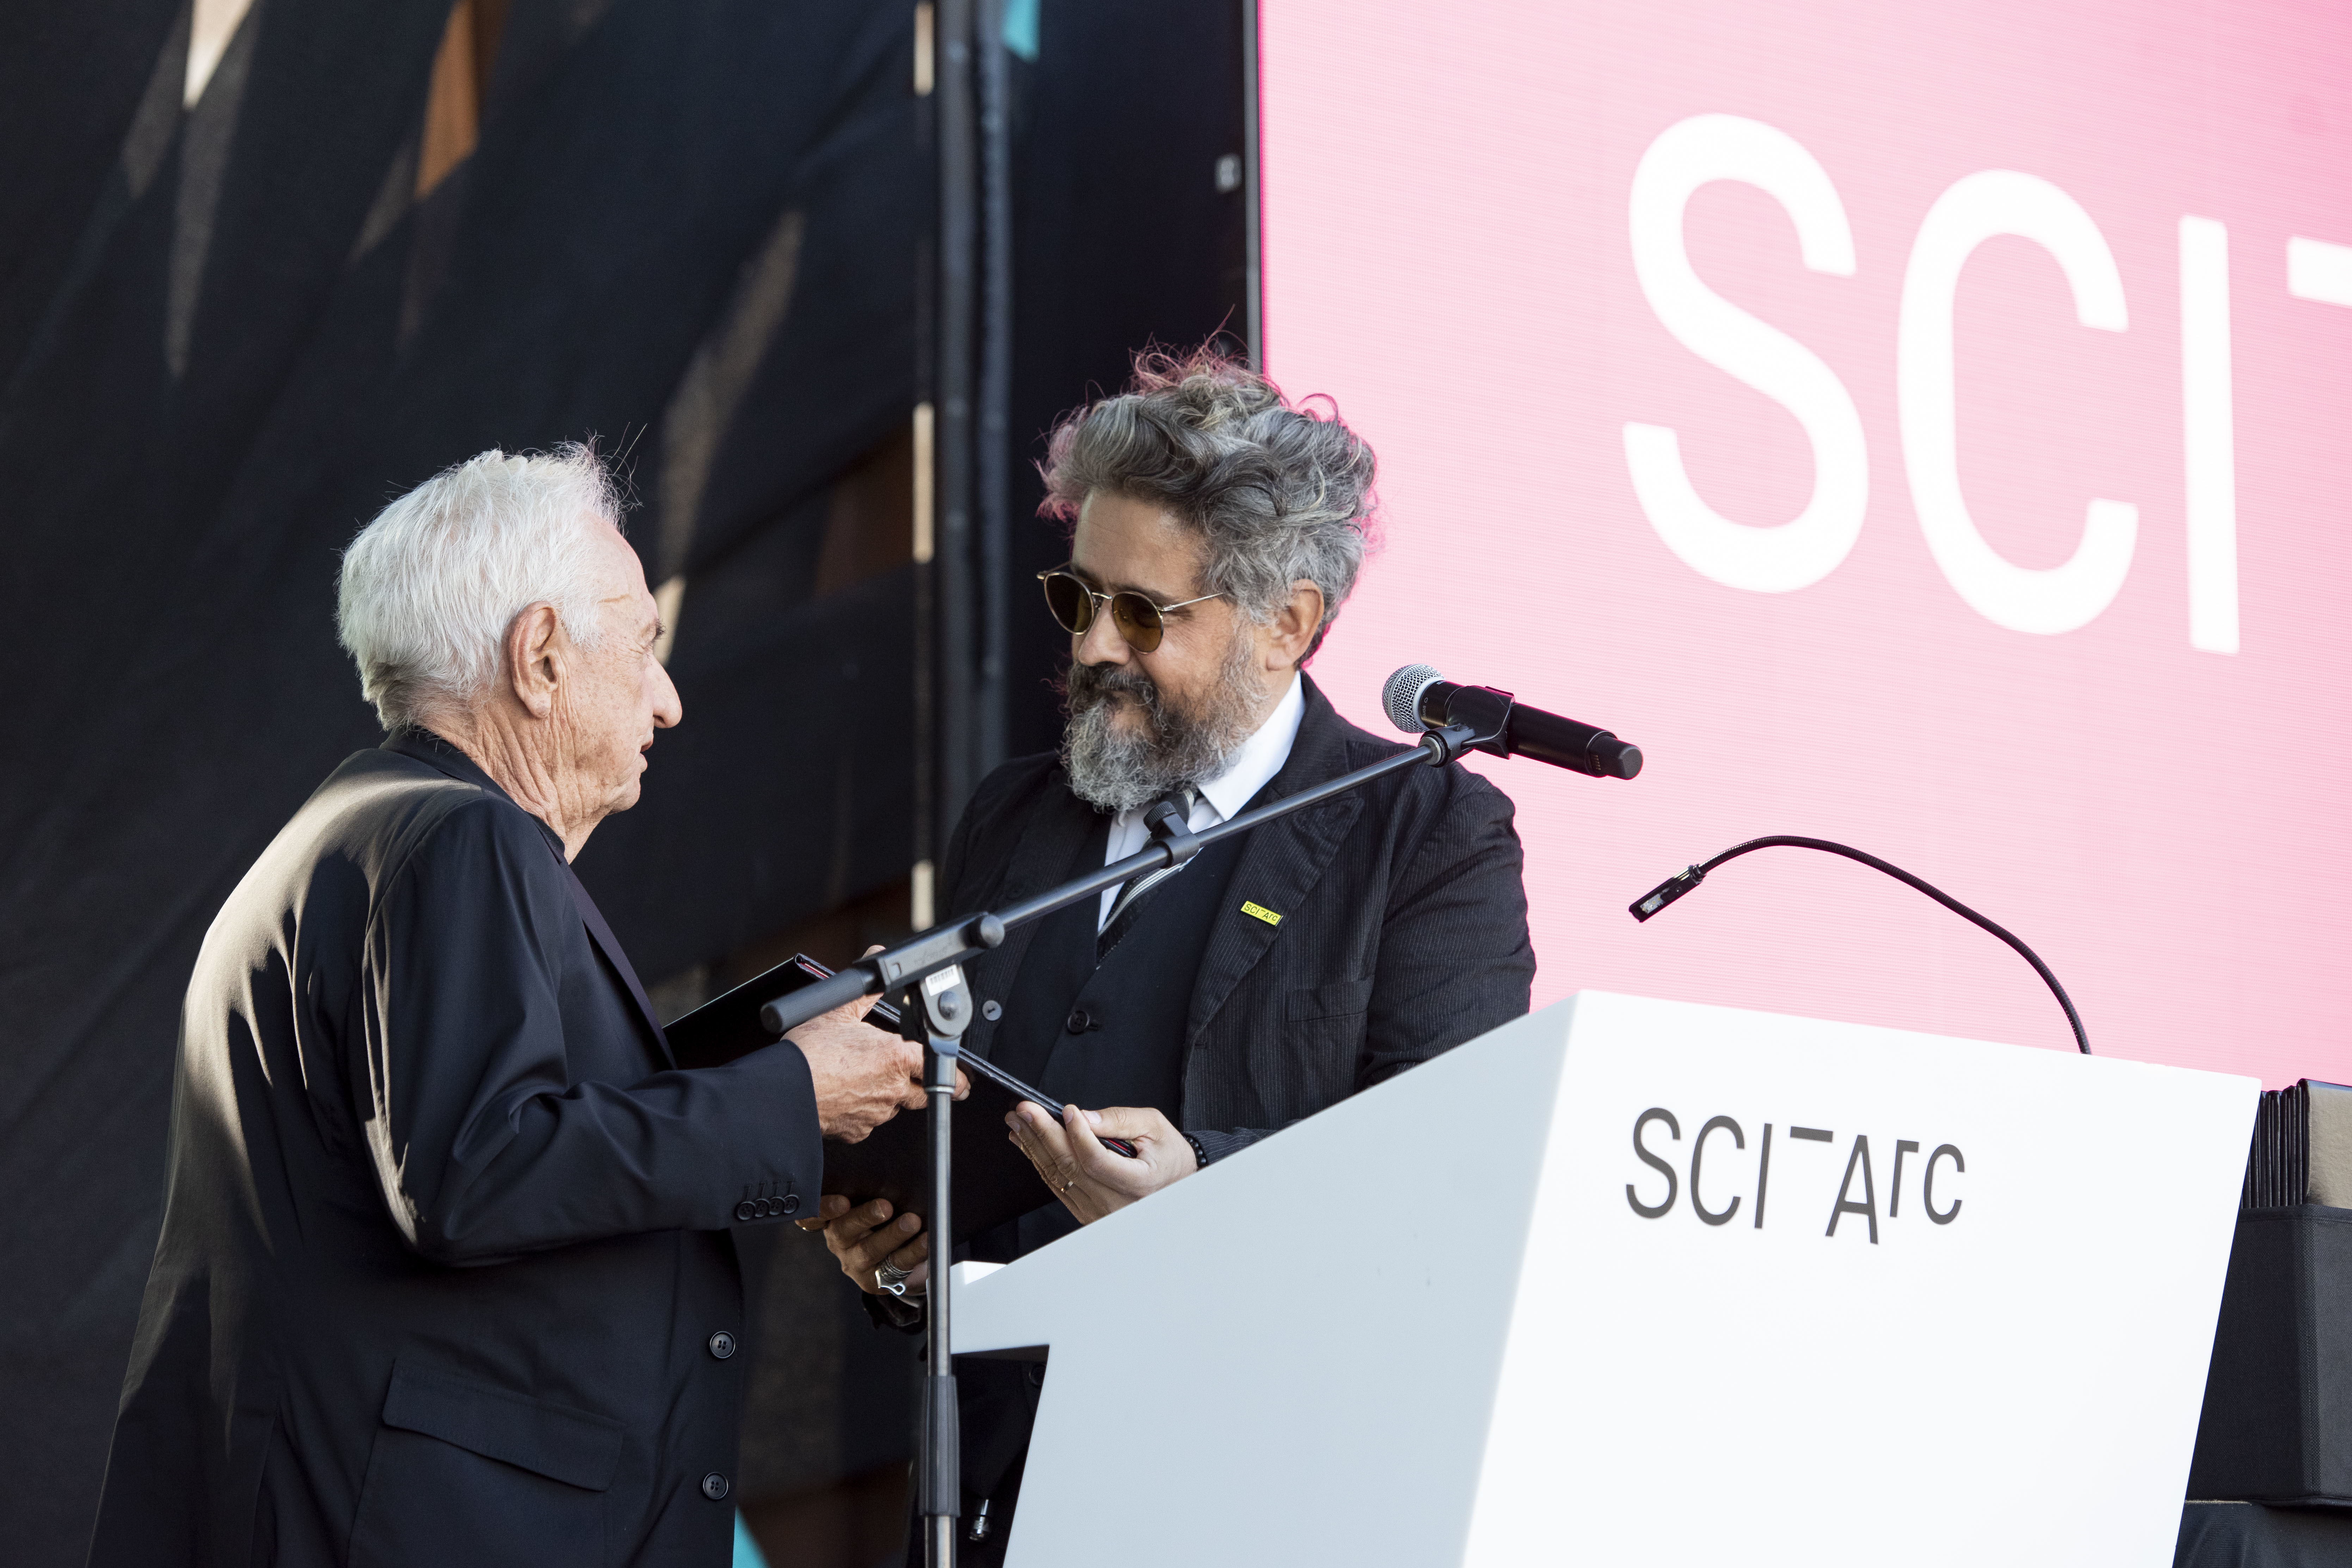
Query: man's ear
point(1296, 623)
point(535, 650)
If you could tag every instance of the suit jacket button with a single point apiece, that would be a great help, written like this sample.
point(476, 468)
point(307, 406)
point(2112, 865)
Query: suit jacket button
point(722, 1345)
point(991, 1011)
point(1080, 1021)
point(788, 1204)
point(714, 1487)
point(745, 1210)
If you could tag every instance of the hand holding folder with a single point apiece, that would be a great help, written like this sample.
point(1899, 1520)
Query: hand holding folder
point(994, 1182)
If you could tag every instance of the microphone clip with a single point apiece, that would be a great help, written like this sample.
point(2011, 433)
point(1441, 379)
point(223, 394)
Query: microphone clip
point(1168, 824)
point(1477, 719)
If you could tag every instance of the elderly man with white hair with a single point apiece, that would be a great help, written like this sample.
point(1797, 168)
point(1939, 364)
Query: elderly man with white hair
point(448, 1272)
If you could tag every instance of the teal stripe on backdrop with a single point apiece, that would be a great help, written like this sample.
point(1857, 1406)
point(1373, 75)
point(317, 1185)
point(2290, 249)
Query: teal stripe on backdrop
point(747, 1551)
point(1021, 27)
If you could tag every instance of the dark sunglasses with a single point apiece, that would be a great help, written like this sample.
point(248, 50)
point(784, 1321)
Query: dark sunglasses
point(1138, 620)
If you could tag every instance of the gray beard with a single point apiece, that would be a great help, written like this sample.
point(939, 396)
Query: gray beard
point(1115, 770)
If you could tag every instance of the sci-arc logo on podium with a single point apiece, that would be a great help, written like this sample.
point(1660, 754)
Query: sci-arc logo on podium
point(1855, 1195)
point(1517, 1338)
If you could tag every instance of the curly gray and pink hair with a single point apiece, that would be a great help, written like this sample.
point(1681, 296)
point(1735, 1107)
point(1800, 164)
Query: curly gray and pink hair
point(1277, 493)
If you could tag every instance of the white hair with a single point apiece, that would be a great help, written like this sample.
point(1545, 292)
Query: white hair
point(430, 587)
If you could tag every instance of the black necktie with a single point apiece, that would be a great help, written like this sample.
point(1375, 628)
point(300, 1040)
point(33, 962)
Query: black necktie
point(1136, 888)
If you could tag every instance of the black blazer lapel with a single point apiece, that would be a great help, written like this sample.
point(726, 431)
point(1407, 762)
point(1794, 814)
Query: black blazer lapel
point(1059, 825)
point(436, 752)
point(1280, 862)
point(593, 918)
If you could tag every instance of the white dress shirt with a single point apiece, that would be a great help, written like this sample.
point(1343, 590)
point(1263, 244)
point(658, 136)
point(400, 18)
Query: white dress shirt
point(1260, 758)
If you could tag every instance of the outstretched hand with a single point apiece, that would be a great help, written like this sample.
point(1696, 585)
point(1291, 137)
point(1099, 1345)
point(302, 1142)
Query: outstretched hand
point(1090, 1180)
point(862, 1076)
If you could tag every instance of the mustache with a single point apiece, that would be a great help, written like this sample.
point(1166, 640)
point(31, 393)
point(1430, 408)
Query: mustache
point(1183, 737)
point(1088, 686)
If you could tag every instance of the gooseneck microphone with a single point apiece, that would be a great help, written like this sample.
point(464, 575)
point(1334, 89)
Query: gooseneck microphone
point(1420, 700)
point(1690, 877)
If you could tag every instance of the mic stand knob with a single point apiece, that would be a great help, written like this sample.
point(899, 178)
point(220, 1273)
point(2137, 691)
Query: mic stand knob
point(1447, 744)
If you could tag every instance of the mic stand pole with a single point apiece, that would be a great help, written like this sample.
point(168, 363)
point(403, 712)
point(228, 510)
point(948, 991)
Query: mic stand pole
point(929, 968)
point(943, 1012)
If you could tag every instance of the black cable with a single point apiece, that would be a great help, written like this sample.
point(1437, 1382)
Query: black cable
point(1674, 887)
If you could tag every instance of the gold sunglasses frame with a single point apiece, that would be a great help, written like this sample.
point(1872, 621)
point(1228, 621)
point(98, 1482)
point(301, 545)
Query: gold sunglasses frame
point(1097, 602)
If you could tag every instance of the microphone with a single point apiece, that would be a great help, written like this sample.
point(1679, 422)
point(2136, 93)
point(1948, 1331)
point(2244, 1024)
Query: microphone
point(1420, 700)
point(1688, 879)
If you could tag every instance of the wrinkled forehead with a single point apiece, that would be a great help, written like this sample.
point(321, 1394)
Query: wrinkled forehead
point(1122, 542)
point(620, 575)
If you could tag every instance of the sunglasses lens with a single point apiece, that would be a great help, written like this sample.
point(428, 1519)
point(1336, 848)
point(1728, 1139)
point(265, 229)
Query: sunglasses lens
point(1138, 621)
point(1067, 598)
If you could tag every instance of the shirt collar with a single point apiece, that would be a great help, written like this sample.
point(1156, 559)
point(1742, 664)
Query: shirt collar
point(1260, 757)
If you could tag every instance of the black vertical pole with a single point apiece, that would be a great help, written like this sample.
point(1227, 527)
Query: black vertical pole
point(1252, 275)
point(959, 617)
point(939, 1486)
point(993, 460)
point(956, 651)
point(924, 502)
point(937, 1009)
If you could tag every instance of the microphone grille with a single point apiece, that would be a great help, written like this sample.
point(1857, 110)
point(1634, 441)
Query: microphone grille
point(1401, 697)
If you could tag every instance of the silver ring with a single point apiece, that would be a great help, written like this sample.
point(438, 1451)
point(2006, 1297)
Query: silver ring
point(892, 1277)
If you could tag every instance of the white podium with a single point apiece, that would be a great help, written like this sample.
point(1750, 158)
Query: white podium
point(1639, 1282)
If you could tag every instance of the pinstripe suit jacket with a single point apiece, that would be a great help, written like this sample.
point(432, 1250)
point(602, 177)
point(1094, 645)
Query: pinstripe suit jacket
point(1404, 930)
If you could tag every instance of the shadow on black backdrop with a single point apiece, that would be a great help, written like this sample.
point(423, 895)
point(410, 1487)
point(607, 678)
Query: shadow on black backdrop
point(381, 238)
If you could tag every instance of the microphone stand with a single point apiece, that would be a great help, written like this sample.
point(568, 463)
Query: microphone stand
point(940, 1022)
point(929, 970)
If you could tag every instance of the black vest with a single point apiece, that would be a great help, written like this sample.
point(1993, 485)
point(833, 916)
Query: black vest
point(1109, 1033)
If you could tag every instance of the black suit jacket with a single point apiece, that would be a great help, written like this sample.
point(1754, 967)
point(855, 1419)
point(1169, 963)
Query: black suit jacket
point(446, 1238)
point(1403, 930)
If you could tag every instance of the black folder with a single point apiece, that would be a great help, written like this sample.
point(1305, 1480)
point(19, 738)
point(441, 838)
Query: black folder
point(728, 1026)
point(994, 1181)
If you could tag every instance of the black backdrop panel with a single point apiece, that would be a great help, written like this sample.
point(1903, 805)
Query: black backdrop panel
point(2248, 1535)
point(71, 80)
point(229, 335)
point(230, 363)
point(775, 798)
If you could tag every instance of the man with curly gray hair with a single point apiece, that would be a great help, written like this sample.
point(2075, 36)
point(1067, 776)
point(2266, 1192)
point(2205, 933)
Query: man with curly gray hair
point(1216, 529)
point(1270, 507)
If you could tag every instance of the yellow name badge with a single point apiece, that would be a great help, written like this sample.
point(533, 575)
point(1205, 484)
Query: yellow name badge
point(1259, 911)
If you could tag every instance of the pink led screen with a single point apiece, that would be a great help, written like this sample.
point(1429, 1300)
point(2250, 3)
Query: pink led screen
point(1923, 426)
